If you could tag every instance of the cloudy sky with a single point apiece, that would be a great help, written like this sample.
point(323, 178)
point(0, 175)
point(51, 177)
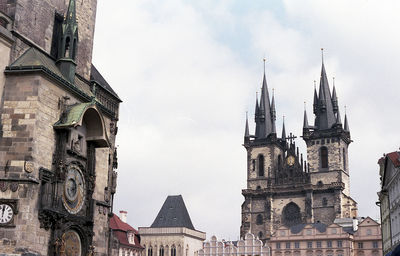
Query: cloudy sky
point(188, 71)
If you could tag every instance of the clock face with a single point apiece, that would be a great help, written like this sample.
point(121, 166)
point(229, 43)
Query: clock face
point(74, 190)
point(290, 160)
point(72, 242)
point(6, 213)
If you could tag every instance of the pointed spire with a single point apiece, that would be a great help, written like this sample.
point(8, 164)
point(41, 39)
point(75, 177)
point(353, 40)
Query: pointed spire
point(338, 118)
point(70, 17)
point(273, 112)
point(283, 130)
point(315, 104)
point(334, 98)
point(346, 123)
point(305, 121)
point(246, 129)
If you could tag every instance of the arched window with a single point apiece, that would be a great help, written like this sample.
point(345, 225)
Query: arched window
point(279, 162)
point(324, 157)
point(161, 251)
point(173, 251)
point(150, 251)
point(291, 215)
point(344, 159)
point(259, 219)
point(260, 165)
point(260, 235)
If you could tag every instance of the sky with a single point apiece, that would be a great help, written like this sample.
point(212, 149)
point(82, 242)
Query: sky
point(188, 71)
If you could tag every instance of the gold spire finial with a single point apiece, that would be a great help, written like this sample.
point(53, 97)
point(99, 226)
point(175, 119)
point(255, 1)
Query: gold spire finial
point(264, 60)
point(322, 54)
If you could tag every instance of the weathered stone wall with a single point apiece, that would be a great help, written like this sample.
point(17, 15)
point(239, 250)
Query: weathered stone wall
point(335, 148)
point(5, 51)
point(34, 19)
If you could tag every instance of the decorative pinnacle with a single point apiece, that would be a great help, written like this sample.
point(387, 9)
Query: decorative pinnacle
point(333, 81)
point(322, 54)
point(305, 105)
point(315, 84)
point(345, 109)
point(264, 59)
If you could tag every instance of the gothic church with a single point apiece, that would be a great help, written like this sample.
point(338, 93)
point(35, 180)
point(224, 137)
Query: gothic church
point(282, 187)
point(58, 127)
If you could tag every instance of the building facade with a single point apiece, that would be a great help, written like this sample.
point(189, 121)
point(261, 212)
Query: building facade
point(389, 200)
point(58, 127)
point(250, 245)
point(172, 232)
point(125, 239)
point(318, 239)
point(283, 188)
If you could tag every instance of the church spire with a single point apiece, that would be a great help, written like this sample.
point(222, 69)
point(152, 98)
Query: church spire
point(69, 43)
point(315, 104)
point(283, 130)
point(305, 120)
point(338, 118)
point(273, 112)
point(325, 116)
point(246, 130)
point(334, 98)
point(346, 123)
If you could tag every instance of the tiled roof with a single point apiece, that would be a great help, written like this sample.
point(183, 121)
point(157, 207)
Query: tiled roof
point(120, 230)
point(394, 158)
point(97, 77)
point(173, 213)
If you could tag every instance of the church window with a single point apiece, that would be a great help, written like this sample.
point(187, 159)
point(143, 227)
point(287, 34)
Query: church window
point(360, 245)
point(288, 245)
point(260, 235)
point(278, 245)
point(150, 251)
point(66, 52)
point(375, 244)
point(253, 162)
point(291, 215)
point(319, 244)
point(344, 159)
point(161, 251)
point(260, 165)
point(279, 162)
point(324, 157)
point(329, 244)
point(309, 244)
point(324, 201)
point(173, 251)
point(339, 244)
point(259, 219)
point(297, 245)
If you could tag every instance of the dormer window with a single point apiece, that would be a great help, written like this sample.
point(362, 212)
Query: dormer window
point(131, 237)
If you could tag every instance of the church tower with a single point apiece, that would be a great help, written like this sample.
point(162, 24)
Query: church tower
point(283, 188)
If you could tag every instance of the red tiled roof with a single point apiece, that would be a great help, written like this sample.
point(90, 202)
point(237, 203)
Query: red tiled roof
point(395, 158)
point(120, 230)
point(117, 224)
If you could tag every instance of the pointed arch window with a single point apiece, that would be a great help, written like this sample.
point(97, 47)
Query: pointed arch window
point(279, 162)
point(260, 165)
point(324, 157)
point(260, 235)
point(150, 251)
point(344, 159)
point(173, 250)
point(161, 251)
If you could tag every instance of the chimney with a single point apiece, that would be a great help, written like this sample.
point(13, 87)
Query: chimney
point(355, 224)
point(122, 215)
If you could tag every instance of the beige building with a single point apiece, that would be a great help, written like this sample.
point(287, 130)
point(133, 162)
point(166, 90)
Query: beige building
point(58, 127)
point(249, 246)
point(172, 232)
point(350, 238)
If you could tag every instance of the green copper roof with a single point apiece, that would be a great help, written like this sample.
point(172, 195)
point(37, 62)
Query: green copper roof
point(74, 115)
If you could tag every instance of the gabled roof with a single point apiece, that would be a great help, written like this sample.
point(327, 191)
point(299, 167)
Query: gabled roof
point(173, 213)
point(120, 231)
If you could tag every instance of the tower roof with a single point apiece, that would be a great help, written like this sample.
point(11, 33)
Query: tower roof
point(173, 213)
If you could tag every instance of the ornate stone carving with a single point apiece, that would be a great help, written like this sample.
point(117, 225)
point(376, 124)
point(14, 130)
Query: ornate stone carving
point(3, 186)
point(29, 166)
point(14, 186)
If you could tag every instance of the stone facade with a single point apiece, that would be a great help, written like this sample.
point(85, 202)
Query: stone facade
point(347, 238)
point(250, 245)
point(57, 139)
point(282, 187)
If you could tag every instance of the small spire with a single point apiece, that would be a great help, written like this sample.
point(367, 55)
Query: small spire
point(305, 121)
point(246, 130)
point(315, 104)
point(283, 129)
point(322, 55)
point(264, 59)
point(346, 124)
point(273, 113)
point(334, 98)
point(338, 118)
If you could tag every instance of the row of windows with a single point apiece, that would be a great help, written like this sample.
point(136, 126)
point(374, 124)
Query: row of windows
point(161, 251)
point(318, 244)
point(323, 154)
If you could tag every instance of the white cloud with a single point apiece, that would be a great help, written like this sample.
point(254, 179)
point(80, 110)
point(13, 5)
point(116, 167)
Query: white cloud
point(186, 89)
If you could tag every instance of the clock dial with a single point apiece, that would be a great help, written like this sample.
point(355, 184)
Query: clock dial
point(74, 190)
point(72, 243)
point(290, 160)
point(6, 213)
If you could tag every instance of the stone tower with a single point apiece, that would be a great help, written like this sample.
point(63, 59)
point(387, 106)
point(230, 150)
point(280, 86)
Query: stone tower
point(58, 126)
point(283, 188)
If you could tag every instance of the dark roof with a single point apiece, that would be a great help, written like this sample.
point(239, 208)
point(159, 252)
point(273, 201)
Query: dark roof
point(394, 158)
point(349, 230)
point(173, 213)
point(98, 78)
point(120, 230)
point(321, 227)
